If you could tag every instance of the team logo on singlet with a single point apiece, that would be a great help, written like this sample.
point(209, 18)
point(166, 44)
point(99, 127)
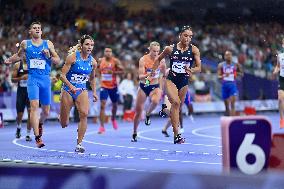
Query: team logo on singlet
point(176, 52)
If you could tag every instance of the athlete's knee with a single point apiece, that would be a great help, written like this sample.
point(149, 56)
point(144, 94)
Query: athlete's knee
point(64, 123)
point(138, 110)
point(103, 106)
point(176, 103)
point(155, 101)
point(45, 113)
point(114, 105)
point(83, 114)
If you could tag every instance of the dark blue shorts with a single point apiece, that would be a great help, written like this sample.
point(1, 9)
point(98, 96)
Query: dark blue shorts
point(229, 89)
point(112, 93)
point(180, 80)
point(148, 89)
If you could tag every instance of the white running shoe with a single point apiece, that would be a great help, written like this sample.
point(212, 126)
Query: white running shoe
point(180, 130)
point(191, 118)
point(79, 148)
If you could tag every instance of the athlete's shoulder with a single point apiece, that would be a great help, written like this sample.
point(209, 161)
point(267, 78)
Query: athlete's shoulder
point(17, 65)
point(143, 58)
point(221, 63)
point(194, 48)
point(48, 41)
point(71, 57)
point(23, 44)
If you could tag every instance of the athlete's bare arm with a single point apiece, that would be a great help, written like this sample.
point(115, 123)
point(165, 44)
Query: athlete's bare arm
point(197, 60)
point(240, 72)
point(141, 70)
point(17, 56)
point(219, 71)
point(65, 69)
point(98, 70)
point(277, 67)
point(119, 69)
point(93, 80)
point(53, 54)
point(167, 51)
point(163, 69)
point(15, 77)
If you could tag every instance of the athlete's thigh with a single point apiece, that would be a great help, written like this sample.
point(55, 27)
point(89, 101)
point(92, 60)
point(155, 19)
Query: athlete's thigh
point(141, 98)
point(182, 93)
point(82, 102)
point(113, 94)
point(103, 94)
point(156, 94)
point(172, 91)
point(280, 94)
point(45, 91)
point(66, 104)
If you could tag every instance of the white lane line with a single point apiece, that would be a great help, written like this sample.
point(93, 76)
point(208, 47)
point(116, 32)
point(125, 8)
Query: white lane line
point(30, 161)
point(132, 147)
point(159, 159)
point(66, 164)
point(92, 166)
point(167, 141)
point(144, 158)
point(173, 160)
point(54, 163)
point(41, 162)
point(195, 132)
point(18, 160)
point(77, 165)
point(104, 155)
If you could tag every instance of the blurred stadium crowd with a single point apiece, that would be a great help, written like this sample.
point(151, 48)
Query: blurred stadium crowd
point(254, 43)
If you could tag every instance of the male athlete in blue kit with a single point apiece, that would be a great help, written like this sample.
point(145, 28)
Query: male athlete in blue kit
point(40, 54)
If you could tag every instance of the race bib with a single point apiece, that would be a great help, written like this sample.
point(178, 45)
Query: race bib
point(79, 79)
point(179, 67)
point(106, 77)
point(229, 74)
point(37, 64)
point(157, 73)
point(23, 83)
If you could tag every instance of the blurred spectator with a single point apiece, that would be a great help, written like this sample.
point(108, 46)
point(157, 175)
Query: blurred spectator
point(254, 43)
point(128, 91)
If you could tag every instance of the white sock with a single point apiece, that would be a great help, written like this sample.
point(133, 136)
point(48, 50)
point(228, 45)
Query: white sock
point(19, 126)
point(28, 132)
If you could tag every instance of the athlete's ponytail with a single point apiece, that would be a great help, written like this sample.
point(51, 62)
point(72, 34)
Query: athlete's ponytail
point(78, 47)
